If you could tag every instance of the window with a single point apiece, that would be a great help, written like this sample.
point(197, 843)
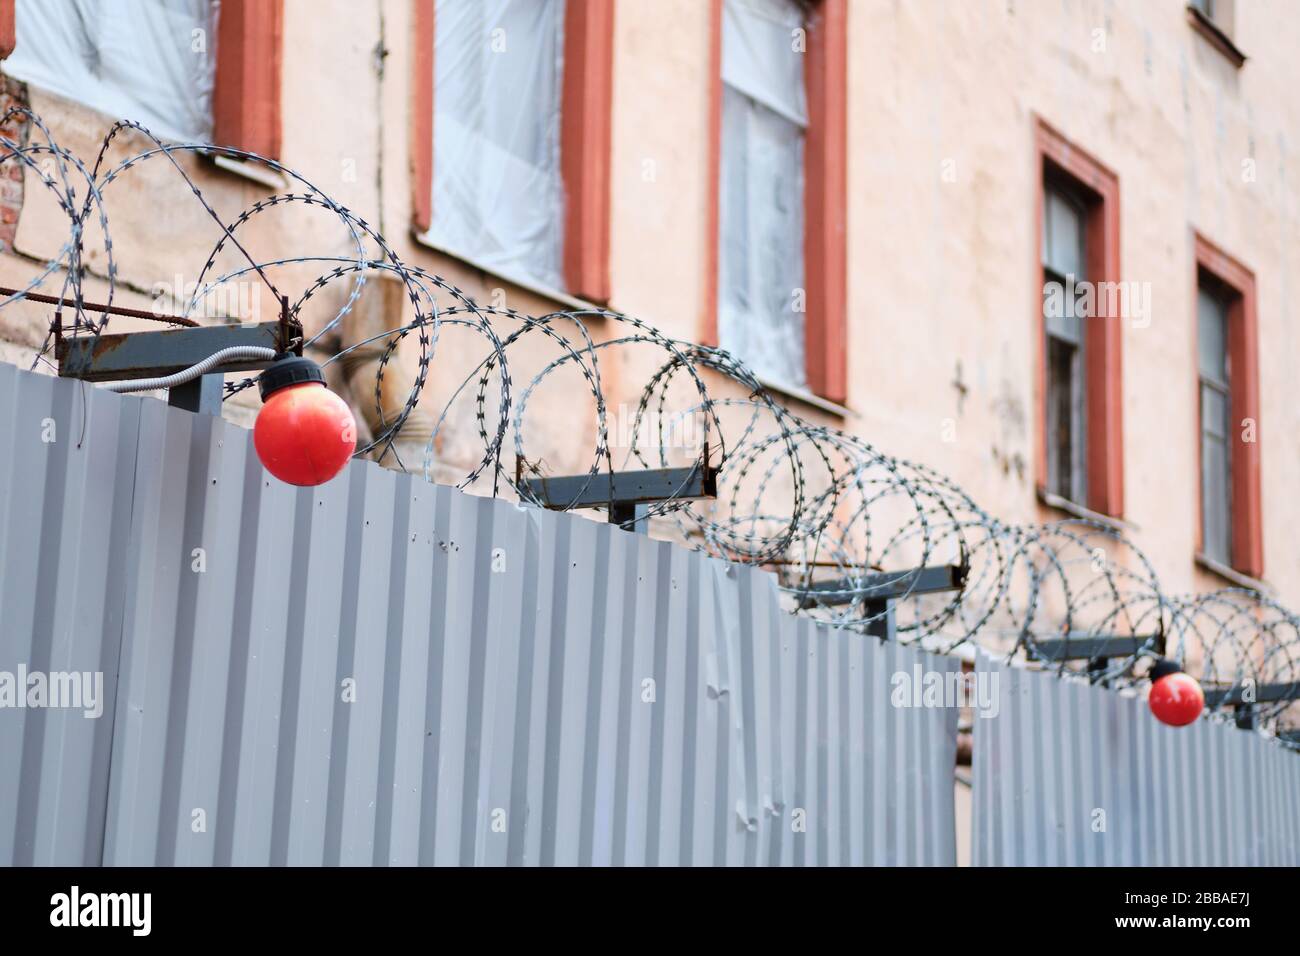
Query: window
point(764, 125)
point(1078, 322)
point(158, 62)
point(1215, 21)
point(498, 193)
point(1218, 12)
point(144, 60)
point(1063, 270)
point(1230, 528)
point(510, 146)
point(777, 227)
point(1216, 425)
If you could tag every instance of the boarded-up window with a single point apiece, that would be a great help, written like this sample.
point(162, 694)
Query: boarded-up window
point(761, 214)
point(153, 61)
point(498, 190)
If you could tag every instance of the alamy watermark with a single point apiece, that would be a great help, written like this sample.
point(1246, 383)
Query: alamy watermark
point(1072, 299)
point(632, 427)
point(75, 908)
point(239, 300)
point(53, 690)
point(919, 687)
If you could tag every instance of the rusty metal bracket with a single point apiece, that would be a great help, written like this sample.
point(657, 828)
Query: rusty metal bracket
point(124, 356)
point(132, 355)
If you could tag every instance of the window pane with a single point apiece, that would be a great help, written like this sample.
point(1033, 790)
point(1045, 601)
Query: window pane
point(1066, 436)
point(1062, 312)
point(1212, 337)
point(761, 267)
point(760, 58)
point(1216, 425)
point(129, 59)
point(498, 193)
point(1216, 500)
point(1063, 230)
point(1214, 411)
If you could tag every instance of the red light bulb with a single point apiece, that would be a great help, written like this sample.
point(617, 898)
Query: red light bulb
point(1176, 698)
point(304, 433)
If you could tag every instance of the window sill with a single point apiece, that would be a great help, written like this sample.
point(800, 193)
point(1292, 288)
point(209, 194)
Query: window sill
point(790, 392)
point(571, 302)
point(254, 172)
point(1057, 503)
point(1232, 576)
point(1215, 36)
point(806, 397)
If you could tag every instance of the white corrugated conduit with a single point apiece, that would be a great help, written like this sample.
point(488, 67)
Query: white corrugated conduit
point(236, 353)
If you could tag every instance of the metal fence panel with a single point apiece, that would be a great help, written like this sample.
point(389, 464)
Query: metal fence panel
point(1068, 774)
point(384, 671)
point(67, 453)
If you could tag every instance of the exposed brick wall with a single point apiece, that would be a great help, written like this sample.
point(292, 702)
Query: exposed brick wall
point(12, 94)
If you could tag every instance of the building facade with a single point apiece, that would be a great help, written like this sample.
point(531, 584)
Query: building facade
point(1044, 248)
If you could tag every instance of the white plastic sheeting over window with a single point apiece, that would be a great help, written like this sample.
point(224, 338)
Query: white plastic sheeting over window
point(153, 61)
point(764, 120)
point(498, 192)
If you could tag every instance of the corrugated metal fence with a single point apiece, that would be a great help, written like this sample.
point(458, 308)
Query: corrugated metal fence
point(1072, 775)
point(383, 671)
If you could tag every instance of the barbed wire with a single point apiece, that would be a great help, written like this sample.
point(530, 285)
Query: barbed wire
point(852, 534)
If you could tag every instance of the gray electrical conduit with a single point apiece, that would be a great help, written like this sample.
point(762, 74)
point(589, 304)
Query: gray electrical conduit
point(209, 364)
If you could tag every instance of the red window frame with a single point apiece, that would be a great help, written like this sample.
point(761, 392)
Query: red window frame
point(1243, 391)
point(825, 196)
point(246, 101)
point(1058, 159)
point(585, 130)
point(7, 35)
